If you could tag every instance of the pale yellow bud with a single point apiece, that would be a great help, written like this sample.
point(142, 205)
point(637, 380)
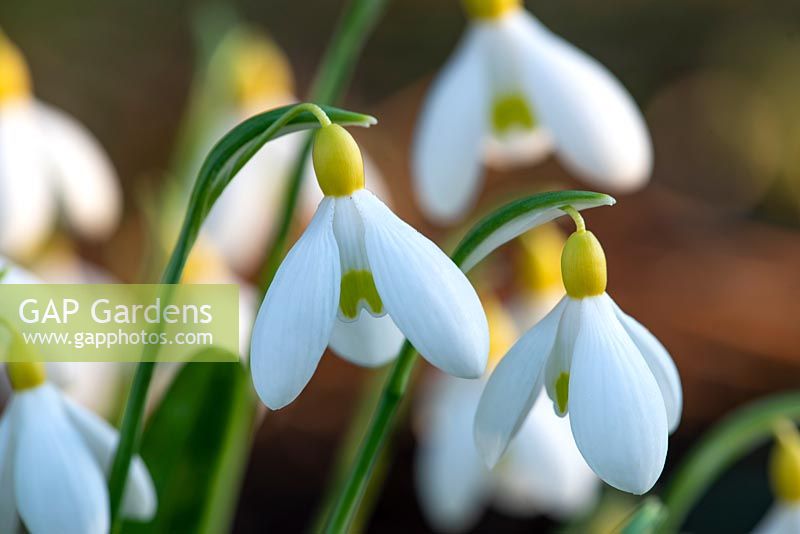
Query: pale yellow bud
point(784, 464)
point(15, 80)
point(26, 375)
point(583, 266)
point(337, 161)
point(489, 9)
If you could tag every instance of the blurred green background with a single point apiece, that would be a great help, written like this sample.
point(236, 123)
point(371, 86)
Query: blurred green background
point(708, 256)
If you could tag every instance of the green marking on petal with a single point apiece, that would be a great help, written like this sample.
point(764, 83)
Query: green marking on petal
point(562, 391)
point(358, 286)
point(511, 111)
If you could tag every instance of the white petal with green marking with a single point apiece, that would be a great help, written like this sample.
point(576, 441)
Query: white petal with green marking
point(357, 285)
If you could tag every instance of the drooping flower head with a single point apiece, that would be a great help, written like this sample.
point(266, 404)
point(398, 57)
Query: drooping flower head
point(543, 472)
point(784, 474)
point(512, 93)
point(357, 256)
point(54, 457)
point(47, 160)
point(614, 378)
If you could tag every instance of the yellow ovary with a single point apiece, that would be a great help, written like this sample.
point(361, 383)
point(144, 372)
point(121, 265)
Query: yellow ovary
point(784, 465)
point(261, 70)
point(489, 9)
point(540, 262)
point(583, 266)
point(337, 161)
point(26, 375)
point(15, 80)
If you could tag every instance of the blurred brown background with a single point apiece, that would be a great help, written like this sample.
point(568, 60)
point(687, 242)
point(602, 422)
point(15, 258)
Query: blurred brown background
point(708, 256)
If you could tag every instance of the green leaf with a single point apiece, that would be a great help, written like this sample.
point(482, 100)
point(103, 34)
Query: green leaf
point(516, 218)
point(193, 445)
point(645, 518)
point(737, 435)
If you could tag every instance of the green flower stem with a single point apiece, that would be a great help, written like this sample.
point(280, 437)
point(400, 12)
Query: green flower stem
point(736, 436)
point(380, 427)
point(221, 165)
point(329, 84)
point(345, 454)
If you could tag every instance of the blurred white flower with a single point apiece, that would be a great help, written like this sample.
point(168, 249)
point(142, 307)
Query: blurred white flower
point(241, 222)
point(784, 470)
point(537, 274)
point(47, 160)
point(619, 384)
point(356, 255)
point(512, 93)
point(54, 457)
point(543, 472)
point(95, 385)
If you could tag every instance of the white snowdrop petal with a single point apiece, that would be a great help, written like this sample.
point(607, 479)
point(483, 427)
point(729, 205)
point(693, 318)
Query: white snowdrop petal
point(368, 341)
point(427, 296)
point(82, 174)
point(660, 364)
point(59, 486)
point(139, 500)
point(446, 153)
point(9, 520)
point(27, 207)
point(543, 469)
point(452, 480)
point(295, 321)
point(597, 128)
point(513, 388)
point(616, 410)
point(781, 519)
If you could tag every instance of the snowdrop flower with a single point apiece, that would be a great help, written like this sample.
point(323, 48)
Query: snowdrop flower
point(617, 382)
point(784, 470)
point(512, 93)
point(94, 385)
point(54, 456)
point(356, 255)
point(543, 471)
point(47, 160)
point(259, 77)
